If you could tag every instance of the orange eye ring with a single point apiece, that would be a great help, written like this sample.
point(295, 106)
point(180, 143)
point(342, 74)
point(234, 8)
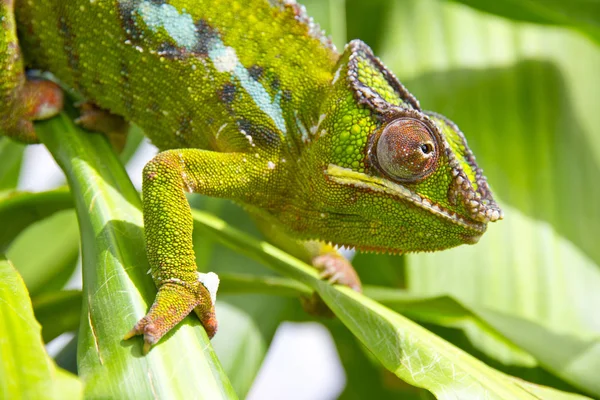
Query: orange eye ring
point(406, 150)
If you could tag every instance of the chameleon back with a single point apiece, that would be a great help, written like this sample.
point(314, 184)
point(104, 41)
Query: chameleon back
point(189, 72)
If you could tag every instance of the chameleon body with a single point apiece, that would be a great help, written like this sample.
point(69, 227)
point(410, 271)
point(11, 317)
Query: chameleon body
point(250, 101)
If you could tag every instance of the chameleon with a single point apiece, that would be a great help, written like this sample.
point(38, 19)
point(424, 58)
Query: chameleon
point(248, 101)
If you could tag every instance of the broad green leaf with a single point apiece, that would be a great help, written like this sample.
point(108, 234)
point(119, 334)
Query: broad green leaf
point(548, 158)
point(364, 21)
point(570, 359)
point(18, 210)
point(11, 154)
point(365, 377)
point(26, 371)
point(116, 289)
point(58, 312)
point(573, 358)
point(526, 98)
point(447, 312)
point(380, 269)
point(408, 350)
point(581, 15)
point(521, 337)
point(46, 253)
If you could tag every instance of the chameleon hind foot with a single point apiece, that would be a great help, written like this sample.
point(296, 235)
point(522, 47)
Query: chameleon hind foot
point(23, 99)
point(334, 268)
point(174, 301)
point(97, 119)
point(36, 99)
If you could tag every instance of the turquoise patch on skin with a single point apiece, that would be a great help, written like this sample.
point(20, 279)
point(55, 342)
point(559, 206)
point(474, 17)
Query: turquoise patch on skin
point(225, 60)
point(179, 26)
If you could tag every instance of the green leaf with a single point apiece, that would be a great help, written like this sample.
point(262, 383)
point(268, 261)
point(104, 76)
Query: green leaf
point(46, 253)
point(26, 371)
point(408, 350)
point(575, 359)
point(570, 359)
point(447, 312)
point(365, 377)
point(19, 210)
point(57, 312)
point(360, 12)
point(116, 289)
point(11, 154)
point(528, 109)
point(581, 15)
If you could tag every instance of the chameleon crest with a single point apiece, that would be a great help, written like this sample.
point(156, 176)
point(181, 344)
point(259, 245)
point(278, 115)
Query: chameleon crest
point(248, 101)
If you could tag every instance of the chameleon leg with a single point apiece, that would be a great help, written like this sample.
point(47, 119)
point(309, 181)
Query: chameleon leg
point(21, 100)
point(332, 266)
point(97, 119)
point(168, 228)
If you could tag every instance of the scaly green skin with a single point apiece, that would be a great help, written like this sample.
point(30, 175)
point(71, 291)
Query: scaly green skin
point(250, 102)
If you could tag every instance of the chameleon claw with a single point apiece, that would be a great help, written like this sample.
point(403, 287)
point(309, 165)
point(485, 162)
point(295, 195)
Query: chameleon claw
point(146, 348)
point(337, 270)
point(130, 334)
point(334, 269)
point(143, 327)
point(334, 278)
point(173, 303)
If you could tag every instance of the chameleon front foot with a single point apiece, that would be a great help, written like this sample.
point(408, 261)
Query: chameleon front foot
point(174, 301)
point(334, 268)
point(337, 270)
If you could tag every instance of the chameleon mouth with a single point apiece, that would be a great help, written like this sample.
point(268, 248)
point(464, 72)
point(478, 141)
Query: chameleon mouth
point(345, 176)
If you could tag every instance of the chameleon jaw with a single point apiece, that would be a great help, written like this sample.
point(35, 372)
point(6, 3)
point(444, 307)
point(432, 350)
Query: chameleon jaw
point(346, 176)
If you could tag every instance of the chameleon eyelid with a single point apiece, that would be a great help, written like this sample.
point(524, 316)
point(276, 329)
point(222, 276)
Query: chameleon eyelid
point(405, 150)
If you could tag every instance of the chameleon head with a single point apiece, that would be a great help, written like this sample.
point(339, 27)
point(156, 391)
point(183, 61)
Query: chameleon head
point(407, 178)
point(427, 153)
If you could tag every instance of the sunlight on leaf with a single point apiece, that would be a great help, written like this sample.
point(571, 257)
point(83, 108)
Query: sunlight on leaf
point(18, 210)
point(26, 371)
point(411, 352)
point(52, 263)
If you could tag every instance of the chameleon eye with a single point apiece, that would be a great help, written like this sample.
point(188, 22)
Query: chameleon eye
point(407, 150)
